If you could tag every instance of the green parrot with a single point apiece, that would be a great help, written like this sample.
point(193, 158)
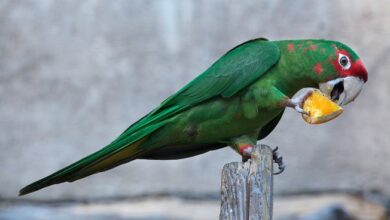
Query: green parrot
point(237, 101)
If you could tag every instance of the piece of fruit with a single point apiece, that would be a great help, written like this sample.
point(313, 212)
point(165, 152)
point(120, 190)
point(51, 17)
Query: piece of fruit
point(320, 108)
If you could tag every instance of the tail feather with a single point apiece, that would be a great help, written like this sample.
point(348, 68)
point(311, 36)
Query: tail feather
point(94, 163)
point(120, 151)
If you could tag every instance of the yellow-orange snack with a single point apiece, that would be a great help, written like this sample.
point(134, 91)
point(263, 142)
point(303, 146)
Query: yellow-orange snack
point(320, 108)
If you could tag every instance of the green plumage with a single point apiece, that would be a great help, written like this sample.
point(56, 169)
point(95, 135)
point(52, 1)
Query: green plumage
point(241, 94)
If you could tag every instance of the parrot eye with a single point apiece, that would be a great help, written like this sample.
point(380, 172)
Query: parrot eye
point(344, 61)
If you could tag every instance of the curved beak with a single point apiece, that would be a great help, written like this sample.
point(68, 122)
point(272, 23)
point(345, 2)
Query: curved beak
point(342, 90)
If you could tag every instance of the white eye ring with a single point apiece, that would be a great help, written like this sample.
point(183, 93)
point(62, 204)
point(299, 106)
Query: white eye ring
point(344, 61)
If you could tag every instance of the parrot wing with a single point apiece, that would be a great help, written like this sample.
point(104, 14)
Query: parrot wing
point(234, 71)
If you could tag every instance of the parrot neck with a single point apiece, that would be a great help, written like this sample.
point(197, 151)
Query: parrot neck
point(289, 79)
point(295, 68)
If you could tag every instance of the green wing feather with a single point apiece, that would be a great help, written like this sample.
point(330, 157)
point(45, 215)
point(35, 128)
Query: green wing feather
point(118, 152)
point(270, 126)
point(234, 71)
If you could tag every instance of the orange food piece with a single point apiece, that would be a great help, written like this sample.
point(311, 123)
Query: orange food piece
point(320, 108)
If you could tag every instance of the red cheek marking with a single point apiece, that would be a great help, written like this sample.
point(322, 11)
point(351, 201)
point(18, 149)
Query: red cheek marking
point(313, 47)
point(291, 47)
point(318, 68)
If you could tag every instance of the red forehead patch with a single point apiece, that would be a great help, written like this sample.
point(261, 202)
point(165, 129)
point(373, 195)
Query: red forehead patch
point(343, 52)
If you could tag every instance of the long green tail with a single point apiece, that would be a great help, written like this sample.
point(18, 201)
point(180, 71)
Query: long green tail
point(122, 150)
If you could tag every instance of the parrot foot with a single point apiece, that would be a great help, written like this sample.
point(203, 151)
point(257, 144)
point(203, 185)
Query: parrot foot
point(246, 152)
point(279, 160)
point(297, 102)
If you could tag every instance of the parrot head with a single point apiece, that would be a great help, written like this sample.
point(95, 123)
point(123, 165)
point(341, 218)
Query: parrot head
point(337, 69)
point(350, 75)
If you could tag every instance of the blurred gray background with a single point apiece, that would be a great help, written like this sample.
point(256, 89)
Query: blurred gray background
point(75, 74)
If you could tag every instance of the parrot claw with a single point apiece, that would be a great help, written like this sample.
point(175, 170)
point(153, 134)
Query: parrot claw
point(300, 110)
point(297, 102)
point(279, 160)
point(247, 150)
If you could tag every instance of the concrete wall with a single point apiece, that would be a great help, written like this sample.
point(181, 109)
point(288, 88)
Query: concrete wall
point(74, 74)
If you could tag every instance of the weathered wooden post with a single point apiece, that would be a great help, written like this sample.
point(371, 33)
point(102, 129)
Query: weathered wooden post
point(246, 188)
